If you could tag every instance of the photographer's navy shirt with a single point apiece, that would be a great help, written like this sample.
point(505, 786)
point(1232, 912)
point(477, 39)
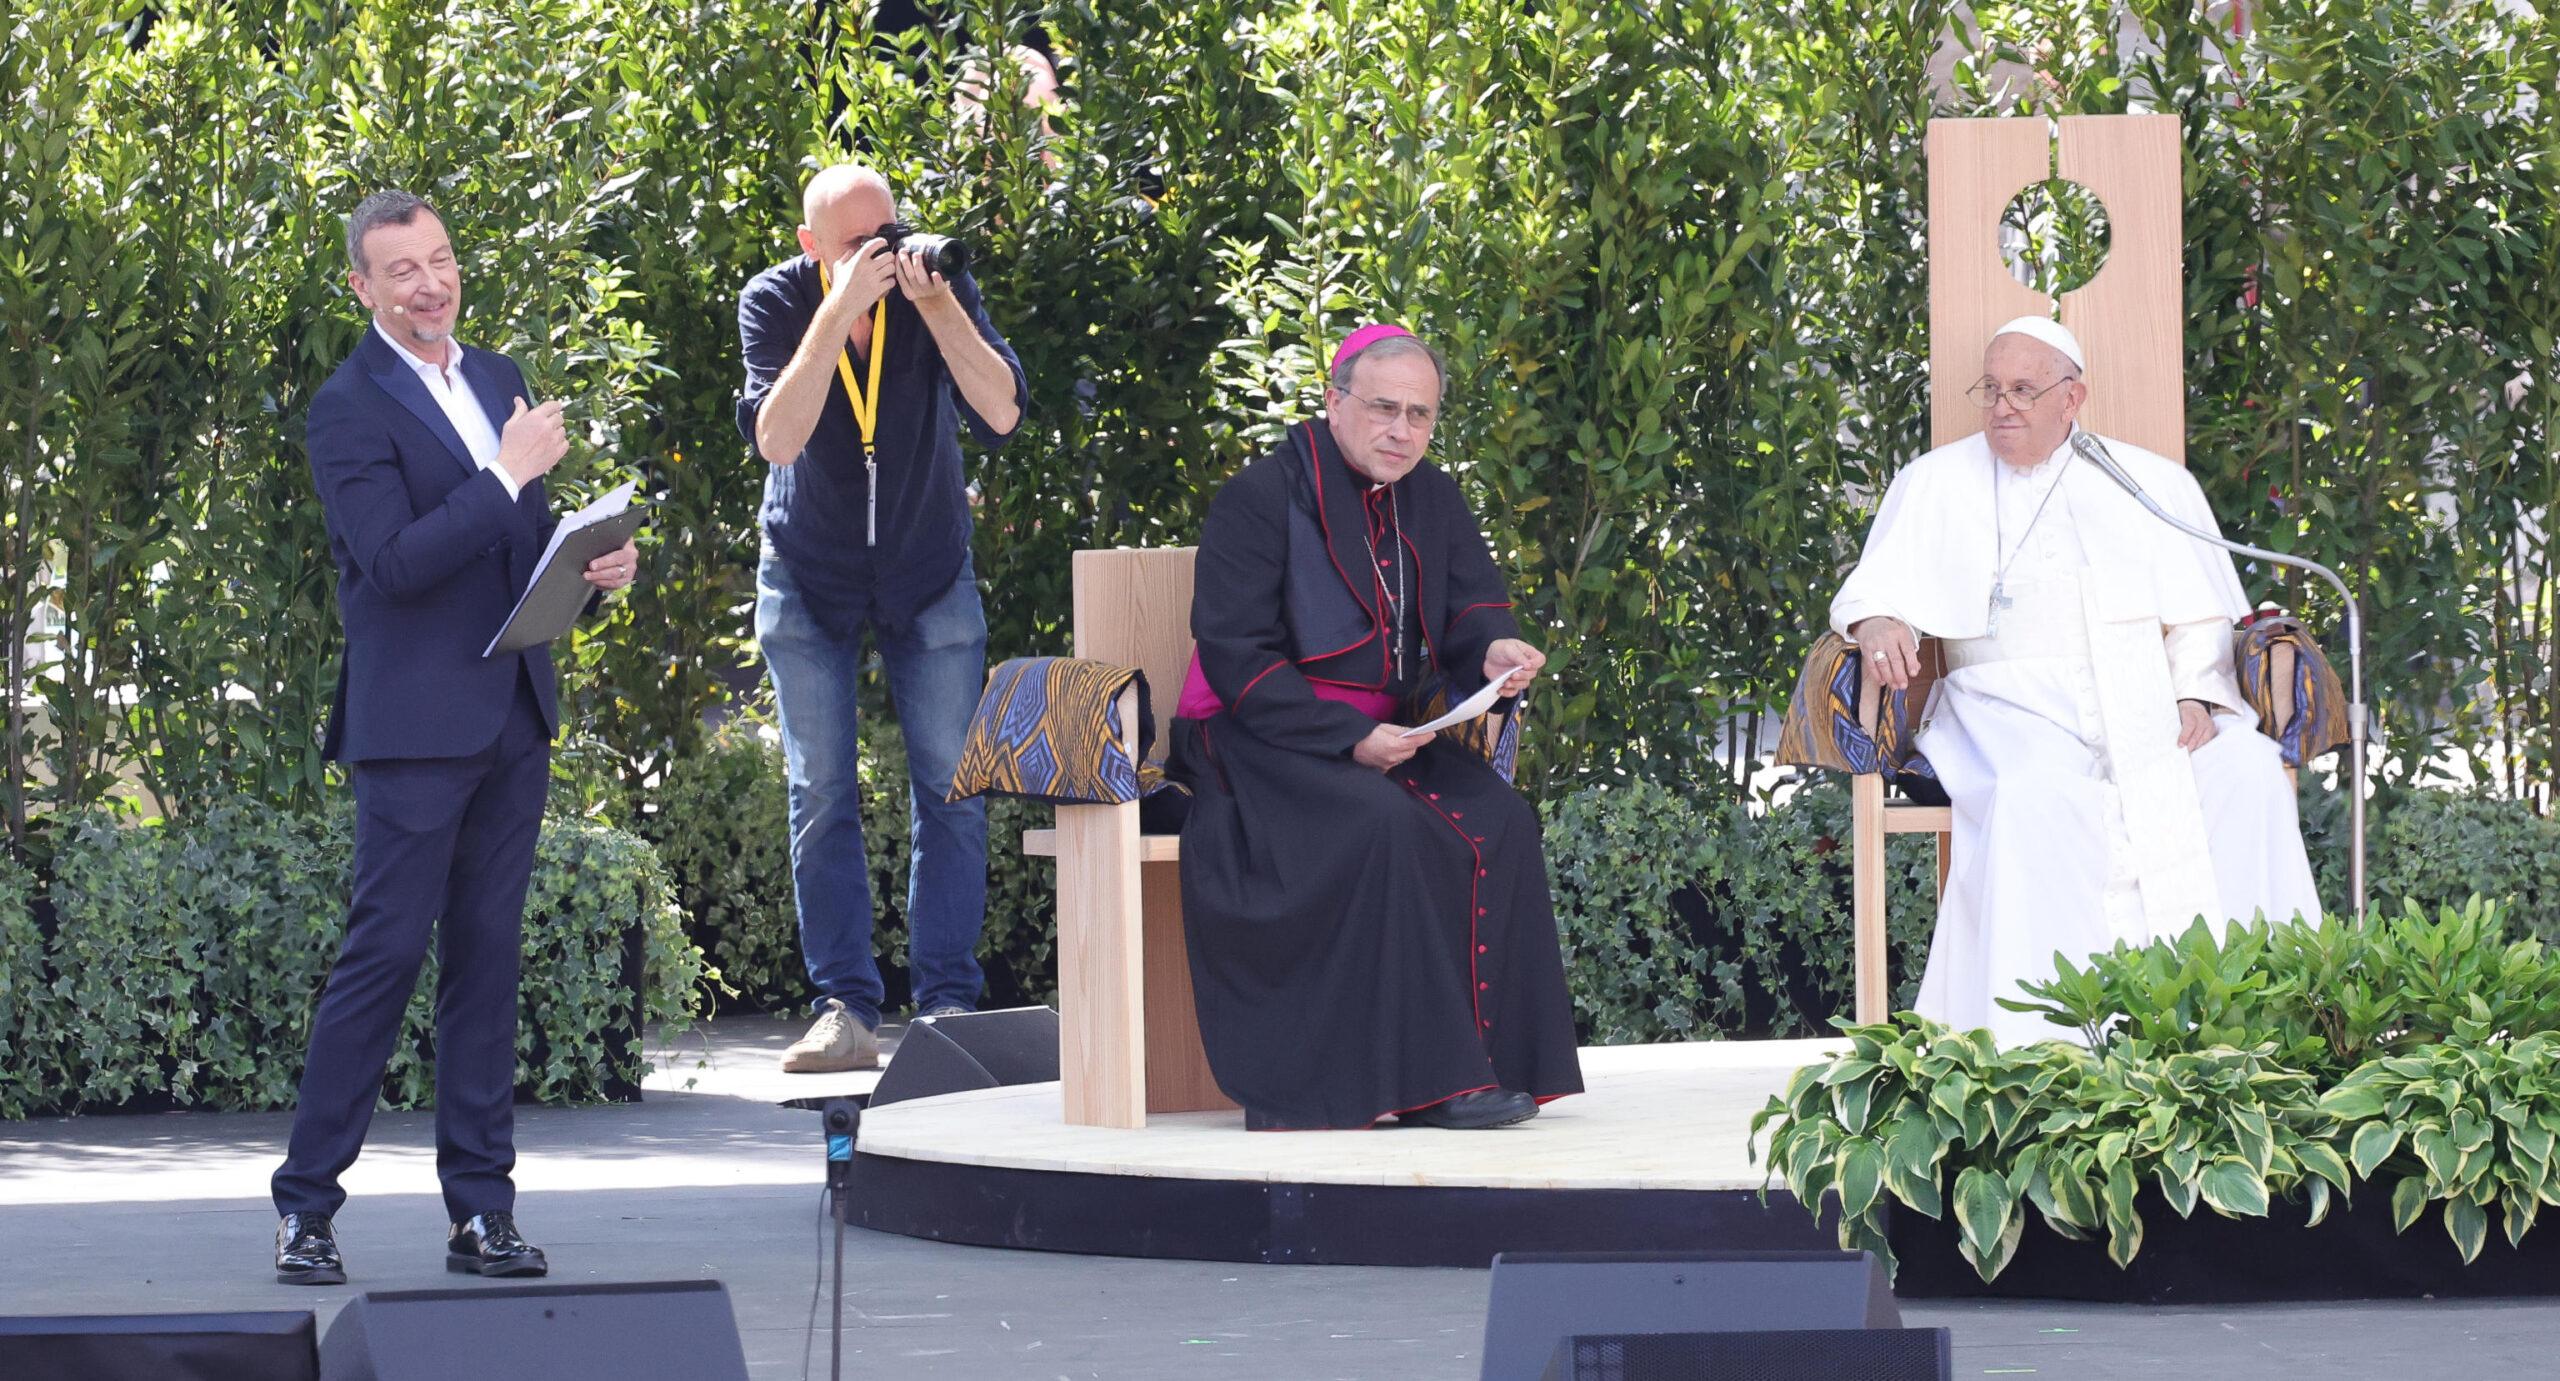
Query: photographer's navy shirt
point(814, 510)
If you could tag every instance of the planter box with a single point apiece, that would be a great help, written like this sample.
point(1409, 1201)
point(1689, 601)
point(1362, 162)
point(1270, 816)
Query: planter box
point(2210, 1259)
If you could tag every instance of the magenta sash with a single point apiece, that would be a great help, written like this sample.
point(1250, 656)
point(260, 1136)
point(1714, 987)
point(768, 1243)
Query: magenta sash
point(1200, 702)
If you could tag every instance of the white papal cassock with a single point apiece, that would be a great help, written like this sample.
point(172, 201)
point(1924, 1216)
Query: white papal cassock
point(2079, 822)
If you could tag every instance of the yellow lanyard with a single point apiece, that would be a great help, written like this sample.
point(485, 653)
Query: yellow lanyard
point(866, 409)
point(866, 403)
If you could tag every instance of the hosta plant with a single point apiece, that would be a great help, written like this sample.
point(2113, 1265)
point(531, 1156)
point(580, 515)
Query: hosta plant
point(1943, 1120)
point(2471, 1124)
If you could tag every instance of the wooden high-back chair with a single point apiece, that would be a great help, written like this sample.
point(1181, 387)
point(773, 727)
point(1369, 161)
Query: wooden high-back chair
point(2130, 318)
point(1128, 1041)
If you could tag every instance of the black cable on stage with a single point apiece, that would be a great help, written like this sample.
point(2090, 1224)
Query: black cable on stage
point(809, 1338)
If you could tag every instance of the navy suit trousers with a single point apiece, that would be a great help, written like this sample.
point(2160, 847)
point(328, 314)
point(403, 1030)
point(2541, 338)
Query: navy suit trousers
point(443, 845)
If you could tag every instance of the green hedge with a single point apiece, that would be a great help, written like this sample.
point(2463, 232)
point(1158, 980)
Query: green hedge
point(26, 1004)
point(2439, 848)
point(721, 820)
point(185, 960)
point(1685, 919)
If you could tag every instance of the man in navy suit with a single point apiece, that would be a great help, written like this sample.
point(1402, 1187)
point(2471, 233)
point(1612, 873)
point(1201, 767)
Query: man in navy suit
point(429, 467)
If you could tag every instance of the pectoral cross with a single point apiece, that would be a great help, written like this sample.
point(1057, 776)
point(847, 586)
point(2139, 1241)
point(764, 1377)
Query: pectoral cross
point(1999, 600)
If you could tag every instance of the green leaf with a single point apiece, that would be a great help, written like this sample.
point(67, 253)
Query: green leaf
point(2374, 1143)
point(2408, 1198)
point(2467, 1224)
point(2324, 1162)
point(2352, 1102)
point(1983, 1209)
point(1861, 1175)
point(2234, 1188)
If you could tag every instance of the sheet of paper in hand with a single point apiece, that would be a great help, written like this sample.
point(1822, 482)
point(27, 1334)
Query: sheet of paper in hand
point(1473, 706)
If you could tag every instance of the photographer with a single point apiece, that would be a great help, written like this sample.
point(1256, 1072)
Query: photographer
point(864, 355)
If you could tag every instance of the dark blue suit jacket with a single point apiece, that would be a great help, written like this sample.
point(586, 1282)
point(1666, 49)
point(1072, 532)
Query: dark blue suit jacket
point(431, 557)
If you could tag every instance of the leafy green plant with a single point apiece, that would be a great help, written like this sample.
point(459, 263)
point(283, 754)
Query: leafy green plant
point(2230, 1069)
point(2470, 1124)
point(1685, 918)
point(187, 959)
point(2439, 847)
point(30, 1011)
point(1942, 1120)
point(721, 821)
point(2329, 995)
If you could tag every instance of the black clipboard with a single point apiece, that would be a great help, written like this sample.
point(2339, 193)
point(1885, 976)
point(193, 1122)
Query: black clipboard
point(559, 593)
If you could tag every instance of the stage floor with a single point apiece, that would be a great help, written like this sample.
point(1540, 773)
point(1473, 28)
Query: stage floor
point(1654, 1155)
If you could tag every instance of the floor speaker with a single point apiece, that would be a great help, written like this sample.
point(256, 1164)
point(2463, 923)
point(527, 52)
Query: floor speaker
point(160, 1347)
point(973, 1050)
point(676, 1330)
point(1813, 1354)
point(1540, 1298)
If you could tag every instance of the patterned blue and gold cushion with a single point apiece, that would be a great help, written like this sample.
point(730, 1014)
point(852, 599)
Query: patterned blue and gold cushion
point(1048, 729)
point(2292, 687)
point(1822, 729)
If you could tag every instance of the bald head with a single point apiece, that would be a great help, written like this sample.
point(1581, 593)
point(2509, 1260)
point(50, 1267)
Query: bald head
point(841, 207)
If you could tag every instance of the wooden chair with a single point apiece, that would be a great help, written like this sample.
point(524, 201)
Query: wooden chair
point(1128, 1040)
point(1128, 1035)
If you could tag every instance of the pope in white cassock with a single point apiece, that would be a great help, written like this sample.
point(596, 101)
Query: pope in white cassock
point(2109, 782)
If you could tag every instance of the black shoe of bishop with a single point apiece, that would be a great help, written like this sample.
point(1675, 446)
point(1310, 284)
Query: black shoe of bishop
point(307, 1251)
point(1492, 1107)
point(489, 1245)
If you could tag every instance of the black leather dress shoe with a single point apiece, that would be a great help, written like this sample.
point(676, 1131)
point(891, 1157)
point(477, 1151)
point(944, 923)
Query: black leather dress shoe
point(307, 1251)
point(489, 1245)
point(1492, 1107)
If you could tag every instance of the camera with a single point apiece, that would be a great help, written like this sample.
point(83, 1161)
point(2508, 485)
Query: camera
point(943, 254)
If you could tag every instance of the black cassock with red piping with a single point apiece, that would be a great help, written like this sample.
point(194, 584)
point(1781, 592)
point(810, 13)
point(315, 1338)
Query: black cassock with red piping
point(1362, 943)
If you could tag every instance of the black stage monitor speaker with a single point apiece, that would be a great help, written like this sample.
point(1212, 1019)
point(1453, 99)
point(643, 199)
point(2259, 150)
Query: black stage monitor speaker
point(1540, 1297)
point(275, 1346)
point(671, 1330)
point(1018, 1045)
point(1815, 1354)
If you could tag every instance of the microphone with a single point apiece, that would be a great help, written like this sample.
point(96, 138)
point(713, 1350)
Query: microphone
point(2095, 452)
point(2089, 448)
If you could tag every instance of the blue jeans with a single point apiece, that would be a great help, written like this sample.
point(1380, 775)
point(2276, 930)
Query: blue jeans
point(937, 665)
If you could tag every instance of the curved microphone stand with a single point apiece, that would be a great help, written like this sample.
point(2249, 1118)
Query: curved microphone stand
point(2095, 452)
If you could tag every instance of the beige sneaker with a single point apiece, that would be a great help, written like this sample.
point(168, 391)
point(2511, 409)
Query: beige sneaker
point(838, 1041)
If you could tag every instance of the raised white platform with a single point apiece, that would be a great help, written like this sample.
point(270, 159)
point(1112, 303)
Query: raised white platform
point(1651, 1117)
point(1655, 1150)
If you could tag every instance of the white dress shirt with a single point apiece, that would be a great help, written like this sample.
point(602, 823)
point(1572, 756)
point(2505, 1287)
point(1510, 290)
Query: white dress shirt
point(461, 406)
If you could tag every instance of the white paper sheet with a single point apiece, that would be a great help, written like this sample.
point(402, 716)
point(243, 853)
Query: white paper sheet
point(1473, 706)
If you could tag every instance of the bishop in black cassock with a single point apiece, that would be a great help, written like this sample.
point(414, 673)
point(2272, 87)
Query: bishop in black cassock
point(1368, 917)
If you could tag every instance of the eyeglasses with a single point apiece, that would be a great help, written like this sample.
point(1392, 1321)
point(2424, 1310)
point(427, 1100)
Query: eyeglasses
point(1385, 411)
point(1988, 393)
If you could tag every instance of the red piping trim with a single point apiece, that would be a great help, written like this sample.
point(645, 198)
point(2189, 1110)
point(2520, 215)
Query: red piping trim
point(1249, 685)
point(1453, 619)
point(1475, 984)
point(1315, 476)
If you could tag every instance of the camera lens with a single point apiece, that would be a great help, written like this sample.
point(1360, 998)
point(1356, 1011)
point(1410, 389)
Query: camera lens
point(943, 254)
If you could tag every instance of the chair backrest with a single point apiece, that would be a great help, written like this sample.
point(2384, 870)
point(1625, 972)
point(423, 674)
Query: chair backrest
point(2129, 317)
point(1133, 608)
